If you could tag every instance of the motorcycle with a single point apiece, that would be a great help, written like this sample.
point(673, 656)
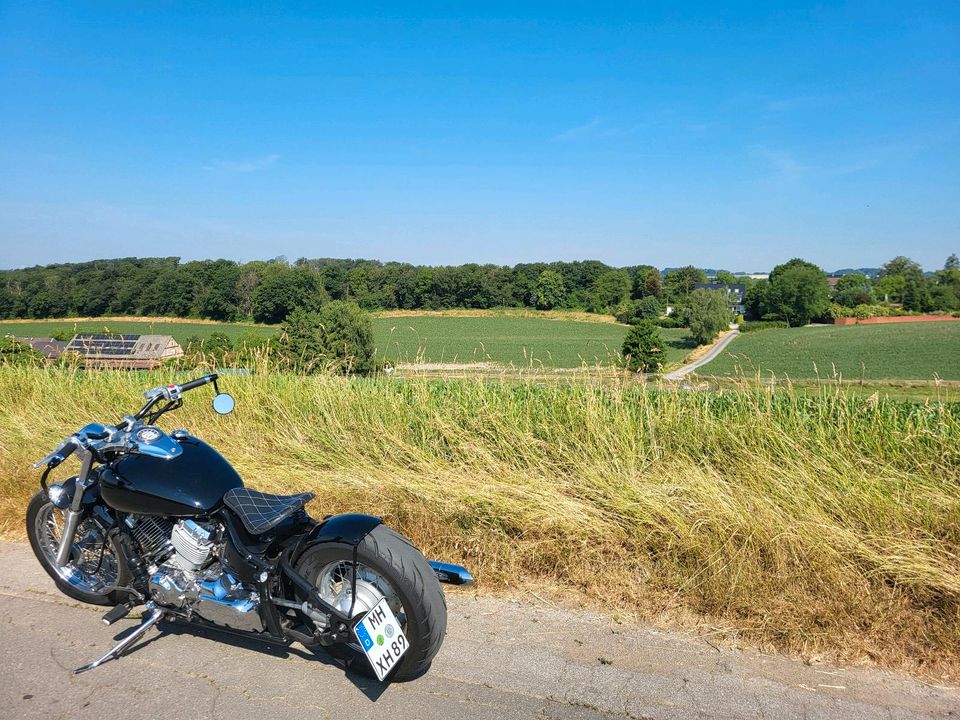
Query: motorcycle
point(163, 520)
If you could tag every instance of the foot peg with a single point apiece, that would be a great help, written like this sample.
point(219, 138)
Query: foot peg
point(151, 618)
point(117, 613)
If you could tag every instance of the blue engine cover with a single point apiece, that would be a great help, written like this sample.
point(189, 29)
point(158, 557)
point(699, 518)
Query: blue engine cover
point(191, 484)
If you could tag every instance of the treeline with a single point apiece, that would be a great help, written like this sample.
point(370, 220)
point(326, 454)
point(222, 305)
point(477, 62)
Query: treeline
point(268, 291)
point(798, 292)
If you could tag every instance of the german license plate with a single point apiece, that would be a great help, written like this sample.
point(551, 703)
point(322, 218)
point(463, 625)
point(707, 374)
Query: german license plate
point(381, 638)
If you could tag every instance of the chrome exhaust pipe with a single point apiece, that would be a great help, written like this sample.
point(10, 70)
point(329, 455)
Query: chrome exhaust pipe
point(451, 574)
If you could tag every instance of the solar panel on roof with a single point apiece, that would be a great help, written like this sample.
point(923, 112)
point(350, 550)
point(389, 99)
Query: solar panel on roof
point(103, 344)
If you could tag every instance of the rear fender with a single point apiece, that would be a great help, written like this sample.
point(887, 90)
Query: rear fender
point(350, 528)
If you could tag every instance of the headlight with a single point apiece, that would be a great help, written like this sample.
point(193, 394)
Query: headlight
point(58, 496)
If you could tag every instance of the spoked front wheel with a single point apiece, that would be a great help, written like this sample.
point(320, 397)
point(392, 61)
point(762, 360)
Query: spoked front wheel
point(94, 566)
point(388, 567)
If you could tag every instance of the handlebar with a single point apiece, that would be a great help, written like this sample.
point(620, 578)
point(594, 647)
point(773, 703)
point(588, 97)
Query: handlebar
point(172, 392)
point(60, 454)
point(118, 437)
point(198, 382)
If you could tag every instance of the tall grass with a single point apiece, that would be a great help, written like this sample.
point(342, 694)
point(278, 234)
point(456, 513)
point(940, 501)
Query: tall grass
point(814, 524)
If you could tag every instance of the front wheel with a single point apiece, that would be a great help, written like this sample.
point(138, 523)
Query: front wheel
point(95, 564)
point(390, 567)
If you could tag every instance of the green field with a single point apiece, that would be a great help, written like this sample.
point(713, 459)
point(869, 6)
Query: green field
point(517, 341)
point(908, 351)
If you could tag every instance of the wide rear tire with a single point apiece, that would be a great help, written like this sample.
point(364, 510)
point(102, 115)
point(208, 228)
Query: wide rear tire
point(397, 561)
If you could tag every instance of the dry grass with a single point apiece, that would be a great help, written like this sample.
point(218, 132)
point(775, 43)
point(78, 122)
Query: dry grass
point(826, 524)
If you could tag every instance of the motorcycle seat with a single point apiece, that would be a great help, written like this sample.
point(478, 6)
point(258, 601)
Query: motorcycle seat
point(260, 512)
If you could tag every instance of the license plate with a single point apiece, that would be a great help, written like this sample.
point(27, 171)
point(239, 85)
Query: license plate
point(381, 638)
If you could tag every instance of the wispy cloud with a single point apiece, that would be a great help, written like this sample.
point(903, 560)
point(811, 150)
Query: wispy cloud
point(852, 155)
point(244, 166)
point(593, 128)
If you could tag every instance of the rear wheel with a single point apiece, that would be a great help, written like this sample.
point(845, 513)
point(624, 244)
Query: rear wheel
point(390, 567)
point(95, 561)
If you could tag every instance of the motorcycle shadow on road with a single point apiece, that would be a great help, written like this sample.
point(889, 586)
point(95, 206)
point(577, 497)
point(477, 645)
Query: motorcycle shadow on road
point(369, 687)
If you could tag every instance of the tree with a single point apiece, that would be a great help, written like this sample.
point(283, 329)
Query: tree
point(649, 308)
point(891, 287)
point(338, 338)
point(679, 283)
point(757, 299)
point(283, 290)
point(709, 314)
point(852, 290)
point(549, 291)
point(643, 348)
point(902, 279)
point(653, 283)
point(610, 289)
point(726, 277)
point(946, 292)
point(799, 292)
point(916, 294)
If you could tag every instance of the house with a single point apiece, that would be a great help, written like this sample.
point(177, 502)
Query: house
point(736, 294)
point(133, 352)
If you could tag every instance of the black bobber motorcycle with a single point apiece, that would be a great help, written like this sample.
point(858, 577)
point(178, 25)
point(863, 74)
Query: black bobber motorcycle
point(162, 520)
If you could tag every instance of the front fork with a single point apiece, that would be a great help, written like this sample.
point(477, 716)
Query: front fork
point(71, 515)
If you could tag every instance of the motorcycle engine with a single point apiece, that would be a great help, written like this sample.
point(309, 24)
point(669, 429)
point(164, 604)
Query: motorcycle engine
point(187, 575)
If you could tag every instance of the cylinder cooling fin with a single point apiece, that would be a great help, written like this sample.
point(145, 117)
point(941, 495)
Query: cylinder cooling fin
point(193, 544)
point(152, 534)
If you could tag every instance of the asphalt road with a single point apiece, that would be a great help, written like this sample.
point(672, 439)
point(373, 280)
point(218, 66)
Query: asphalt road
point(501, 659)
point(681, 373)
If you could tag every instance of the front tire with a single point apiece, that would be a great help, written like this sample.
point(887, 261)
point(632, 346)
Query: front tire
point(87, 576)
point(391, 558)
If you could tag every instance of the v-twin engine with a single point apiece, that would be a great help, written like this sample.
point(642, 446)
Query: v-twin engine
point(185, 573)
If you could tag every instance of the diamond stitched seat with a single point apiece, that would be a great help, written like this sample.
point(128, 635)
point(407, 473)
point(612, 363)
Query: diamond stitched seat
point(261, 512)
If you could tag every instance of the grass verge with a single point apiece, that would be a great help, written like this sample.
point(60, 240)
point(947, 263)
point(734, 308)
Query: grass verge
point(815, 524)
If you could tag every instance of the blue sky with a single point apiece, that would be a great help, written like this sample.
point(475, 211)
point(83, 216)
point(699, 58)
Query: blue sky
point(733, 135)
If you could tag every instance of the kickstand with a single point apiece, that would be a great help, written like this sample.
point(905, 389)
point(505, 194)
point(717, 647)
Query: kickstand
point(152, 617)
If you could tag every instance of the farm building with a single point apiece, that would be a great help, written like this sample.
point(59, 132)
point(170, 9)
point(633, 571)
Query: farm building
point(133, 352)
point(48, 347)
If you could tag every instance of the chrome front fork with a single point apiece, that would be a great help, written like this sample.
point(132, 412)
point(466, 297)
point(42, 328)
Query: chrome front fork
point(71, 515)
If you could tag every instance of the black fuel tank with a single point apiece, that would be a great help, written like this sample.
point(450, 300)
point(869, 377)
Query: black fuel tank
point(193, 483)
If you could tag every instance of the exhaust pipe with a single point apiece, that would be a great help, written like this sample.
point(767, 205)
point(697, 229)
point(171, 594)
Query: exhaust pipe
point(451, 574)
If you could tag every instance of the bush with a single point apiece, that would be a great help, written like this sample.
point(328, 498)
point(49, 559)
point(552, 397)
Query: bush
point(643, 348)
point(668, 322)
point(338, 338)
point(863, 312)
point(14, 352)
point(755, 325)
point(626, 311)
point(648, 308)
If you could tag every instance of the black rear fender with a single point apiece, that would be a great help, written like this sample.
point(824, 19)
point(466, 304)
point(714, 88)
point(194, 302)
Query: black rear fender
point(350, 528)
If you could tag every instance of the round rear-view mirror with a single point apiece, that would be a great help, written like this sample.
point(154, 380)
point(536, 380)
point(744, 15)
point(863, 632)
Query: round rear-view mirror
point(224, 403)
